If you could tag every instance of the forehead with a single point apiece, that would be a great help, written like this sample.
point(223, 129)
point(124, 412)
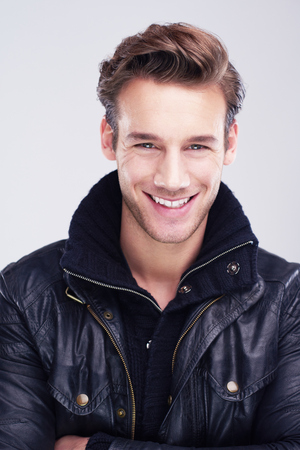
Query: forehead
point(145, 103)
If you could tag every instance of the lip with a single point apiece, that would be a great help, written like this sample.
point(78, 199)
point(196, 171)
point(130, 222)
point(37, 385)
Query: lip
point(169, 211)
point(171, 203)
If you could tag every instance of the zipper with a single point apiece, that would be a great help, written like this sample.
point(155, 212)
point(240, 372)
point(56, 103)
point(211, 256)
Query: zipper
point(92, 312)
point(99, 283)
point(213, 259)
point(124, 364)
point(157, 307)
point(190, 327)
point(112, 287)
point(209, 304)
point(72, 296)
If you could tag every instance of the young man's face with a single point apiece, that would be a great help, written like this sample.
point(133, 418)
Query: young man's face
point(170, 153)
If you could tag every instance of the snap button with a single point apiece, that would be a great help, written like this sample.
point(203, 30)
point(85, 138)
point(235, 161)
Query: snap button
point(170, 399)
point(108, 315)
point(185, 289)
point(233, 268)
point(121, 413)
point(148, 345)
point(232, 387)
point(82, 399)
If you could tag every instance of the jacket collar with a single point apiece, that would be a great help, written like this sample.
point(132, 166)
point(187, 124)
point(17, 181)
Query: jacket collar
point(93, 251)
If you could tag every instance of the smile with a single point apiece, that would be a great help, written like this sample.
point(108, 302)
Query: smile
point(169, 203)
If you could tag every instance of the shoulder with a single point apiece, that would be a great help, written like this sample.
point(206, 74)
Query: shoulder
point(274, 268)
point(21, 282)
point(282, 281)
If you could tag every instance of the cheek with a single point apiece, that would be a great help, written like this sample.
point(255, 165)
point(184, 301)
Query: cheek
point(134, 169)
point(207, 172)
point(131, 174)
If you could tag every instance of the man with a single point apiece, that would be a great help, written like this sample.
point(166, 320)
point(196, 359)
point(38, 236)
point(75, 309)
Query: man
point(158, 324)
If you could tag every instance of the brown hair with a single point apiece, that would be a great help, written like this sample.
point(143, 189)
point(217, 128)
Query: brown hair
point(178, 53)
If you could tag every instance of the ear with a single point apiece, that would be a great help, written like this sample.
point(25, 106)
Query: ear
point(106, 134)
point(232, 139)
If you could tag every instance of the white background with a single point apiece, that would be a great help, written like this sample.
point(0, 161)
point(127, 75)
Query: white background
point(49, 115)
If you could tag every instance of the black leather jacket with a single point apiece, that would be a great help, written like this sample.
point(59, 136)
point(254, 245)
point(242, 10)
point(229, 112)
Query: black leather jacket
point(236, 368)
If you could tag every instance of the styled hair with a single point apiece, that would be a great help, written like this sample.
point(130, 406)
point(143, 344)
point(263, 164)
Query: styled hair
point(172, 53)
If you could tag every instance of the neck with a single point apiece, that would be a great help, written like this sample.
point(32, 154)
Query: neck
point(157, 267)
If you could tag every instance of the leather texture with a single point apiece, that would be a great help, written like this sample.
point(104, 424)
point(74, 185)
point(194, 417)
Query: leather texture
point(58, 345)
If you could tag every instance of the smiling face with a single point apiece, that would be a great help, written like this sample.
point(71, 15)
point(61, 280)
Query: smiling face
point(170, 153)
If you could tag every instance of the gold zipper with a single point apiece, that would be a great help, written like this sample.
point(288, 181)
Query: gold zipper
point(138, 293)
point(72, 296)
point(190, 327)
point(125, 366)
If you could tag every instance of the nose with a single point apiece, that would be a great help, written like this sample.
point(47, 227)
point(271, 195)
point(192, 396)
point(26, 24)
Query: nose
point(172, 172)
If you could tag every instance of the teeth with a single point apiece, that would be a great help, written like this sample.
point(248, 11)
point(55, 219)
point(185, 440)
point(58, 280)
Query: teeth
point(169, 204)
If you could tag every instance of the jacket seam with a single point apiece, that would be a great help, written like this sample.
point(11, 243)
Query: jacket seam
point(210, 332)
point(53, 280)
point(72, 401)
point(246, 388)
point(56, 310)
point(39, 290)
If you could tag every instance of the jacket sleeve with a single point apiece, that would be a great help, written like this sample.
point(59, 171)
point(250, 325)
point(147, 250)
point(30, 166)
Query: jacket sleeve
point(27, 419)
point(277, 422)
point(124, 444)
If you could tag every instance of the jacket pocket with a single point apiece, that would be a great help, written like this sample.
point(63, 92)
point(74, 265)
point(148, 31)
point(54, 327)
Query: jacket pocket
point(81, 393)
point(84, 405)
point(243, 358)
point(234, 388)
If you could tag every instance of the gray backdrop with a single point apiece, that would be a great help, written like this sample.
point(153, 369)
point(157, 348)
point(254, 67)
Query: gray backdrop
point(49, 115)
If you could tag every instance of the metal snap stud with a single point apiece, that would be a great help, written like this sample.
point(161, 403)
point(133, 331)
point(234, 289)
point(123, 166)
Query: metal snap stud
point(232, 387)
point(121, 413)
point(233, 268)
point(108, 315)
point(185, 289)
point(82, 400)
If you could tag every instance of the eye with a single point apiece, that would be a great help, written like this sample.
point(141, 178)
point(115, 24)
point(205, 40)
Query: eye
point(147, 145)
point(197, 147)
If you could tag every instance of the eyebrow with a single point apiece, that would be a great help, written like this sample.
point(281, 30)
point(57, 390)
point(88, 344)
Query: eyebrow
point(206, 138)
point(134, 136)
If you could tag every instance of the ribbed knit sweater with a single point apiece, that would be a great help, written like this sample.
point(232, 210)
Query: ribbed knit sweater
point(94, 243)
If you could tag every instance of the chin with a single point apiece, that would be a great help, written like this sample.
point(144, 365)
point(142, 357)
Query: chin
point(171, 237)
